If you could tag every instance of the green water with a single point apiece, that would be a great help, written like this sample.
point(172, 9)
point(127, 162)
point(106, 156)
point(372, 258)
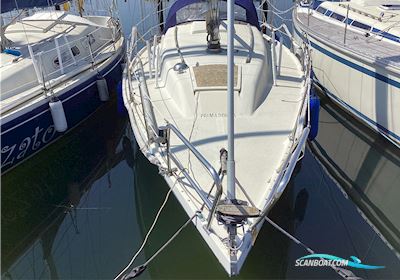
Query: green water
point(116, 193)
point(80, 208)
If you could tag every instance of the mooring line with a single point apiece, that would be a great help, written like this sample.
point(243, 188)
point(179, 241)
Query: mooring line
point(147, 235)
point(344, 273)
point(122, 273)
point(136, 271)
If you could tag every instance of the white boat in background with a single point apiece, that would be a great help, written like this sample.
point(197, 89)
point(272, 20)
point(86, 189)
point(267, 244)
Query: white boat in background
point(56, 69)
point(365, 167)
point(185, 98)
point(356, 57)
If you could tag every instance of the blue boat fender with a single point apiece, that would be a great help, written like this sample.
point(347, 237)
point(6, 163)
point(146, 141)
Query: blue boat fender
point(12, 52)
point(120, 100)
point(314, 114)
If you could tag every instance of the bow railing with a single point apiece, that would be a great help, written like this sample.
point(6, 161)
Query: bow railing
point(140, 43)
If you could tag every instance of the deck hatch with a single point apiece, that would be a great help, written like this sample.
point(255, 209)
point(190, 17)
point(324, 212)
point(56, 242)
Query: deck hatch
point(214, 76)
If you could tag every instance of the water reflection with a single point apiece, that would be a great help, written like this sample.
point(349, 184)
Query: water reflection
point(92, 196)
point(58, 214)
point(81, 208)
point(365, 165)
point(188, 256)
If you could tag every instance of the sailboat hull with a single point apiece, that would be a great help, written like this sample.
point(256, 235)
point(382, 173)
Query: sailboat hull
point(33, 130)
point(175, 92)
point(366, 84)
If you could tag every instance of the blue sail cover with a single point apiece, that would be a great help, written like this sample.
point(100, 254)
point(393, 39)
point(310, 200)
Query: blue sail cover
point(250, 13)
point(9, 5)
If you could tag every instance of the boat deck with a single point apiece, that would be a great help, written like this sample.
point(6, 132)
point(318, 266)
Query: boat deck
point(373, 47)
point(200, 112)
point(195, 102)
point(43, 31)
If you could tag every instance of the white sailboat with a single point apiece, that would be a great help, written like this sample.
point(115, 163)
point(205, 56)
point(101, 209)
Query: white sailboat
point(356, 57)
point(56, 69)
point(224, 119)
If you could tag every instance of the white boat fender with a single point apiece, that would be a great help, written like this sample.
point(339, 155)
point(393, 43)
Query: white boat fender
point(102, 88)
point(58, 115)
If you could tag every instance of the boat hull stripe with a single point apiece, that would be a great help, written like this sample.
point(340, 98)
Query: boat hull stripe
point(381, 129)
point(351, 64)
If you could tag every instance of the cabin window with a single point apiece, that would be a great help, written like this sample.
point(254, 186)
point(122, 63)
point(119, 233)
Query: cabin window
point(198, 11)
point(91, 39)
point(391, 37)
point(328, 13)
point(240, 13)
point(349, 21)
point(361, 25)
point(386, 35)
point(321, 10)
point(66, 57)
point(195, 11)
point(390, 7)
point(337, 16)
point(75, 50)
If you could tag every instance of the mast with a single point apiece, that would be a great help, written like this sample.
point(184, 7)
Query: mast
point(160, 12)
point(3, 37)
point(230, 103)
point(212, 25)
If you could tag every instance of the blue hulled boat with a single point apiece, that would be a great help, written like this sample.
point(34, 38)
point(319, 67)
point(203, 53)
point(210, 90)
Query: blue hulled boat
point(56, 69)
